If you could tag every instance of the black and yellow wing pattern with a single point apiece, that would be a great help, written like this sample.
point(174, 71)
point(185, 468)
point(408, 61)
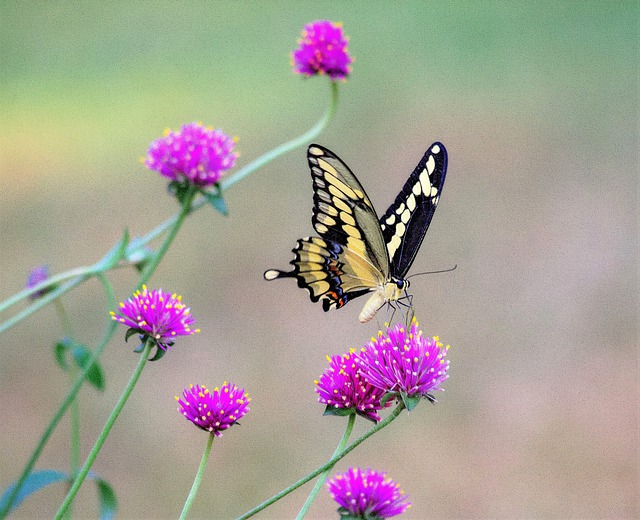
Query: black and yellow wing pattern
point(355, 253)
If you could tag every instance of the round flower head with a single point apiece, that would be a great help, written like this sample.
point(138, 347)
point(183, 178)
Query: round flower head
point(36, 276)
point(214, 412)
point(197, 154)
point(341, 388)
point(367, 494)
point(322, 50)
point(405, 362)
point(156, 315)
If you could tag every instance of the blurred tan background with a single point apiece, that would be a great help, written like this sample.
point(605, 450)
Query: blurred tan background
point(537, 103)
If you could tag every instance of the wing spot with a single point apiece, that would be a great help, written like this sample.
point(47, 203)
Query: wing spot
point(411, 202)
point(417, 189)
point(424, 179)
point(406, 215)
point(326, 219)
point(435, 148)
point(347, 218)
point(393, 245)
point(352, 231)
point(433, 192)
point(400, 208)
point(400, 229)
point(390, 219)
point(431, 164)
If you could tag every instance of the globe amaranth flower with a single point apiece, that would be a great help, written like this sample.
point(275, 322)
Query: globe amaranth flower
point(197, 154)
point(36, 276)
point(342, 389)
point(156, 315)
point(322, 50)
point(405, 363)
point(214, 411)
point(367, 494)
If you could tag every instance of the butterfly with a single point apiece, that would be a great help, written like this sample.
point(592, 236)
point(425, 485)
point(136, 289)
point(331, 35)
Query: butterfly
point(356, 253)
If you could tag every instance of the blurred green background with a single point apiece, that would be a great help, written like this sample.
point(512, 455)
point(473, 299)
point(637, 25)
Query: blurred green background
point(537, 103)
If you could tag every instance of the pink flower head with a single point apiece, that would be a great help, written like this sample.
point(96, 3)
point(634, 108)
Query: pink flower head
point(156, 315)
point(367, 494)
point(194, 153)
point(405, 362)
point(322, 50)
point(342, 388)
point(214, 412)
point(36, 276)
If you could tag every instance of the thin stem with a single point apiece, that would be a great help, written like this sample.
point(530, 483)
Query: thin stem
point(325, 474)
point(326, 465)
point(198, 479)
point(68, 400)
point(173, 231)
point(105, 431)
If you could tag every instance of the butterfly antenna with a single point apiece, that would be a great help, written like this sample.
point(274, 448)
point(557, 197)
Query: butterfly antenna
point(435, 272)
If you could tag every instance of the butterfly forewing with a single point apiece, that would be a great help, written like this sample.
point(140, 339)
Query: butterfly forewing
point(405, 223)
point(342, 211)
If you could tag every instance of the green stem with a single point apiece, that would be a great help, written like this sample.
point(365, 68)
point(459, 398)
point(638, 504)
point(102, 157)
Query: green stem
point(327, 465)
point(198, 479)
point(152, 265)
point(325, 474)
point(68, 400)
point(105, 432)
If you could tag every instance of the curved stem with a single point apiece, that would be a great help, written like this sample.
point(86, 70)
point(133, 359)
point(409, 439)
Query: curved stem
point(105, 432)
point(327, 465)
point(198, 479)
point(325, 474)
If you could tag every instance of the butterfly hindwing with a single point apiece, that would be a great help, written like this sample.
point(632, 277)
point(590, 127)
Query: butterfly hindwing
point(405, 223)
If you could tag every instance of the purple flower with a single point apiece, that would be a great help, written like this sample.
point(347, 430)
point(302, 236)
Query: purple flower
point(341, 387)
point(156, 315)
point(214, 412)
point(322, 50)
point(38, 275)
point(194, 153)
point(367, 494)
point(405, 363)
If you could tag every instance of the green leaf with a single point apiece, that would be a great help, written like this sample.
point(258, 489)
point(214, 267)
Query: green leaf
point(340, 412)
point(132, 332)
point(34, 482)
point(410, 402)
point(107, 500)
point(387, 397)
point(116, 254)
point(160, 352)
point(60, 353)
point(216, 200)
point(81, 356)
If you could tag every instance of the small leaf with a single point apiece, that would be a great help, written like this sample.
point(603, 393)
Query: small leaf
point(217, 201)
point(410, 402)
point(59, 351)
point(139, 348)
point(116, 254)
point(107, 500)
point(34, 482)
point(160, 352)
point(387, 397)
point(82, 356)
point(340, 412)
point(132, 332)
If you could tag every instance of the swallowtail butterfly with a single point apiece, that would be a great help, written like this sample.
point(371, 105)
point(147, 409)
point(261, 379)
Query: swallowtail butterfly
point(356, 253)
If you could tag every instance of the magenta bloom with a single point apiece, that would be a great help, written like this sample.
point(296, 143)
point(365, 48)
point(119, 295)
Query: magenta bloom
point(322, 50)
point(405, 362)
point(367, 494)
point(194, 153)
point(342, 389)
point(156, 315)
point(38, 275)
point(214, 412)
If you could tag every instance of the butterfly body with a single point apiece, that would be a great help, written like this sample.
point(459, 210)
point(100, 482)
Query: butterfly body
point(356, 253)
